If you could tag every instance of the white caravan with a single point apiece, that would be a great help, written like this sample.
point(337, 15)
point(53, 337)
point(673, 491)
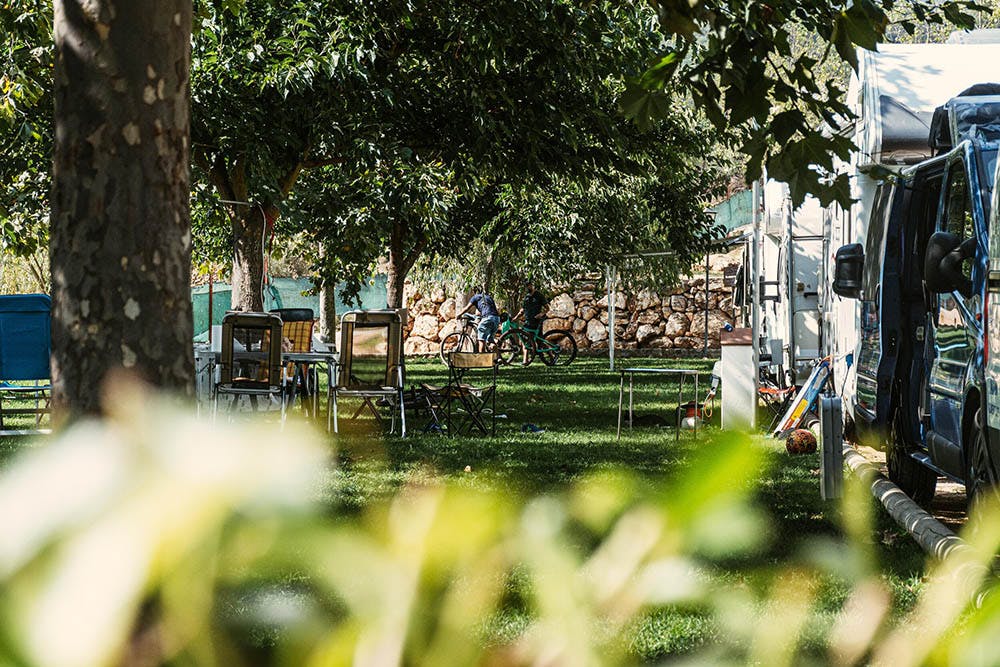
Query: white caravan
point(791, 268)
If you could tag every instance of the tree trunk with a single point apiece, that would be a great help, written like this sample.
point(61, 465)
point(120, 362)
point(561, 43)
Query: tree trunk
point(328, 314)
point(248, 260)
point(401, 261)
point(120, 225)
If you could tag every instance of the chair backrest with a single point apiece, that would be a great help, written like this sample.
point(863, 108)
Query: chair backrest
point(251, 351)
point(297, 328)
point(371, 349)
point(472, 359)
point(25, 336)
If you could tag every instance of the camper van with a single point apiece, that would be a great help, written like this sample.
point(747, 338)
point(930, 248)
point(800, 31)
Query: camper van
point(921, 282)
point(893, 96)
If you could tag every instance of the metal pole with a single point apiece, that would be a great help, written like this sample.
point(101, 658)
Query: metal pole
point(612, 279)
point(705, 352)
point(755, 302)
point(211, 276)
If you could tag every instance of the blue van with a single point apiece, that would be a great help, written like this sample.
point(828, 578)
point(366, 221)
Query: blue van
point(922, 279)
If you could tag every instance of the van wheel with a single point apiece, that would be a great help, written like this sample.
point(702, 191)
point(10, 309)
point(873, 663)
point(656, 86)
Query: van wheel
point(914, 479)
point(980, 477)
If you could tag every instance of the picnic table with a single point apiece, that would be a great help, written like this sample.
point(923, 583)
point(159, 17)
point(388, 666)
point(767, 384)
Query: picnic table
point(681, 373)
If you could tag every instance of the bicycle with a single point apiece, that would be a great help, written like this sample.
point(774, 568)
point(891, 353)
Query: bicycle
point(555, 347)
point(466, 340)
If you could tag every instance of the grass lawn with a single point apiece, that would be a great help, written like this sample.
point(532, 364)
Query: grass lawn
point(577, 408)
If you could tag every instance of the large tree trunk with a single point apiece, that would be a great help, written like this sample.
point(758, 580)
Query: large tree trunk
point(248, 261)
point(401, 260)
point(120, 227)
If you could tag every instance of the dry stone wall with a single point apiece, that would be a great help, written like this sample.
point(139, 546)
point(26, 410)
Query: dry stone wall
point(664, 323)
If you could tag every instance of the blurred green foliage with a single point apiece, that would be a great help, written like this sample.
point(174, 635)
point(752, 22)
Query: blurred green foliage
point(153, 538)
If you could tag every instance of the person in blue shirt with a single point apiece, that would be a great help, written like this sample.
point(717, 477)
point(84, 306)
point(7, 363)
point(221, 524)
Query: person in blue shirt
point(489, 315)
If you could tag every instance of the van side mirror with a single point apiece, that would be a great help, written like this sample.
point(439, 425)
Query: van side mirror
point(849, 265)
point(943, 263)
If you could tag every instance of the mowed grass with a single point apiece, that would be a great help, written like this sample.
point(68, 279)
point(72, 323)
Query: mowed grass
point(577, 408)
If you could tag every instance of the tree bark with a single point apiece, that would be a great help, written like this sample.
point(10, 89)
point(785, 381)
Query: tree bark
point(120, 224)
point(248, 260)
point(401, 261)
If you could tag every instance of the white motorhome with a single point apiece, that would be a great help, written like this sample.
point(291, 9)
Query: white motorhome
point(791, 247)
point(893, 96)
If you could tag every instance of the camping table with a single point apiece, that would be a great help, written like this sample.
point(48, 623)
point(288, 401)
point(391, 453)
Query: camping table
point(206, 361)
point(681, 373)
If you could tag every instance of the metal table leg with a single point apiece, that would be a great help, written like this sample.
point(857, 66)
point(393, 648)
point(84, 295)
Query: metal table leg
point(680, 395)
point(631, 377)
point(621, 397)
point(697, 411)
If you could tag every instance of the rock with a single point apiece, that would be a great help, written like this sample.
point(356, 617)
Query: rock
point(417, 345)
point(562, 306)
point(645, 333)
point(426, 326)
point(688, 343)
point(661, 343)
point(579, 325)
point(649, 317)
point(646, 299)
point(726, 304)
point(596, 331)
point(716, 320)
point(437, 295)
point(677, 324)
point(448, 309)
point(678, 303)
point(582, 342)
point(626, 345)
point(588, 313)
point(448, 327)
point(551, 323)
point(599, 344)
point(629, 332)
point(619, 301)
point(603, 317)
point(423, 307)
point(410, 293)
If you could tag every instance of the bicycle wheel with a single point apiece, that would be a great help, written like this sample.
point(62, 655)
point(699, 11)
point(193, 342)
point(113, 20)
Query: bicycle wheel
point(457, 341)
point(559, 349)
point(515, 348)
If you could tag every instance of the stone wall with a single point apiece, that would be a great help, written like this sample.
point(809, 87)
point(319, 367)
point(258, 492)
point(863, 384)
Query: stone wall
point(672, 321)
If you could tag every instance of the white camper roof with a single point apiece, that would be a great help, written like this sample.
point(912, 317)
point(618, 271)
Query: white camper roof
point(898, 87)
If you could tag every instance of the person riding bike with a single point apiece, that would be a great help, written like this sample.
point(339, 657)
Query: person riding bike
point(532, 308)
point(489, 320)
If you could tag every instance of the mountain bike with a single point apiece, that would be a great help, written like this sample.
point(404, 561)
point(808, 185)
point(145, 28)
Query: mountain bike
point(463, 340)
point(556, 347)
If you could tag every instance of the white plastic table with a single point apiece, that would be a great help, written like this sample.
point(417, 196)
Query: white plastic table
point(681, 373)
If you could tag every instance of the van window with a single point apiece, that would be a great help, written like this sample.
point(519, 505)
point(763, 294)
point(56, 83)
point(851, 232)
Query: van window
point(958, 211)
point(875, 244)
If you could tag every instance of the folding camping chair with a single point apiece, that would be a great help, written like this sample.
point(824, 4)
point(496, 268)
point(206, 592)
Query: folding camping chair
point(474, 401)
point(300, 378)
point(250, 363)
point(371, 366)
point(25, 345)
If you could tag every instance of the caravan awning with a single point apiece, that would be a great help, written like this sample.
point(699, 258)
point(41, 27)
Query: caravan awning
point(902, 85)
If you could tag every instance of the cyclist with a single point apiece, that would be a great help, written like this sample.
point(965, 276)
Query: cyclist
point(489, 320)
point(532, 307)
